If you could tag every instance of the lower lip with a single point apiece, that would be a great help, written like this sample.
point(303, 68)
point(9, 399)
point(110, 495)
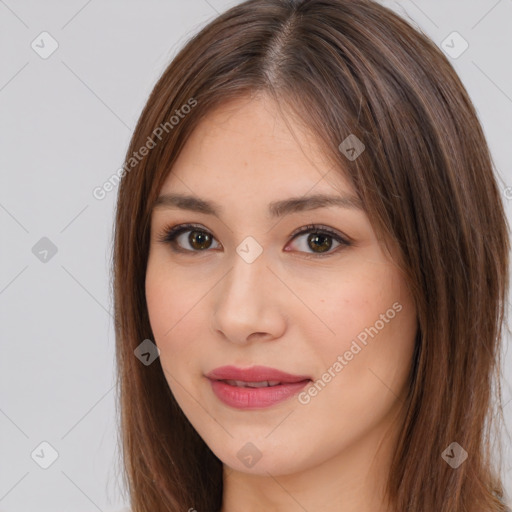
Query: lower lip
point(255, 398)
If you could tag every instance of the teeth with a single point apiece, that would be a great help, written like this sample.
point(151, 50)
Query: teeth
point(242, 384)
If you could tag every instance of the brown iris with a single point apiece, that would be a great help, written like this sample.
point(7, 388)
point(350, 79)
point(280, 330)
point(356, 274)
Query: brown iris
point(321, 242)
point(199, 240)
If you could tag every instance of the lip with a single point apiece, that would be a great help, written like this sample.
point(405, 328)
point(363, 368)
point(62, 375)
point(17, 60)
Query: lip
point(254, 374)
point(254, 398)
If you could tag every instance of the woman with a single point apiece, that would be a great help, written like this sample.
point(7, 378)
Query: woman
point(311, 267)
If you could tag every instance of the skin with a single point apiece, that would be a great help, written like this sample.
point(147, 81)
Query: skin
point(285, 310)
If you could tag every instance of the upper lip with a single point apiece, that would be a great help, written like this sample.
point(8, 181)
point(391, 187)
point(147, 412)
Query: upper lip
point(254, 374)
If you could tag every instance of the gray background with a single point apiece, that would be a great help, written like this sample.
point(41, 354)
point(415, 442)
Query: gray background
point(65, 126)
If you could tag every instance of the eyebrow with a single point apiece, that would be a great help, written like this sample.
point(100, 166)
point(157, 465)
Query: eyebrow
point(276, 208)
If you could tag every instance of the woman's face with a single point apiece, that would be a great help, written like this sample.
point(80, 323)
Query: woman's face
point(252, 284)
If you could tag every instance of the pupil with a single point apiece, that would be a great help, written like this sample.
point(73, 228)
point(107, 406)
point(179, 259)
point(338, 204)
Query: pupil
point(197, 240)
point(320, 241)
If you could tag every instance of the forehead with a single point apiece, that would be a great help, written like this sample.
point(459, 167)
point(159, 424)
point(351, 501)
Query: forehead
point(251, 146)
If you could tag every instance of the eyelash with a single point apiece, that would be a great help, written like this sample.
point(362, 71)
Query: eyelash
point(170, 233)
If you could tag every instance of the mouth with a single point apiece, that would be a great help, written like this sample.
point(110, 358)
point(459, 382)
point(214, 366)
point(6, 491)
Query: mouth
point(256, 387)
point(243, 384)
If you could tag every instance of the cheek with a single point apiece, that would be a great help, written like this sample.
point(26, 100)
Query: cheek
point(162, 304)
point(172, 308)
point(376, 354)
point(353, 298)
point(367, 313)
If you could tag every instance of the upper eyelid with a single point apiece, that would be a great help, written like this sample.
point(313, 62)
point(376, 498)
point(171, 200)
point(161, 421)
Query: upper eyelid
point(183, 228)
point(179, 229)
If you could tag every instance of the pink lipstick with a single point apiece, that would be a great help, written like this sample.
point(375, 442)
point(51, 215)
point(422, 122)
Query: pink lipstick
point(255, 387)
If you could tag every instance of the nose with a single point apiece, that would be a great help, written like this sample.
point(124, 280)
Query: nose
point(249, 302)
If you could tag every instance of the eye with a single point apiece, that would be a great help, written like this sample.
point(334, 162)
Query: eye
point(199, 239)
point(320, 239)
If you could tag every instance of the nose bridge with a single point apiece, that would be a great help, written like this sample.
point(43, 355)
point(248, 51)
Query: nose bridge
point(247, 277)
point(243, 304)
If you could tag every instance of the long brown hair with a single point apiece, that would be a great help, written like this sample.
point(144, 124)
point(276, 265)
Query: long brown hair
point(426, 179)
